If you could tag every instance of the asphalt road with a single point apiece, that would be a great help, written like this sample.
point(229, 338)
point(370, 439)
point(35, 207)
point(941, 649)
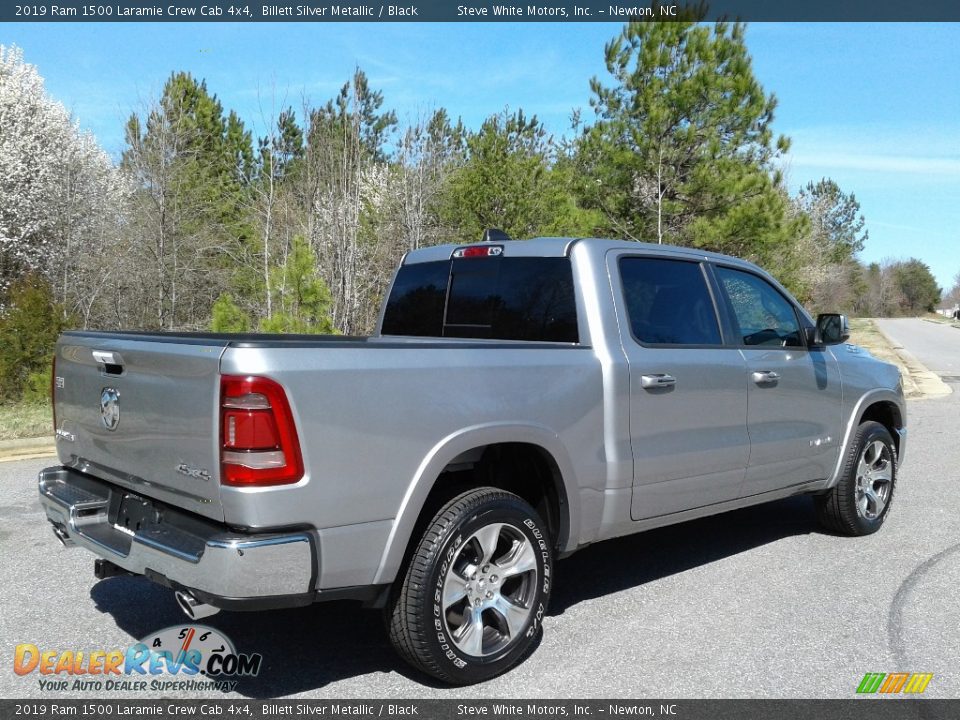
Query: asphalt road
point(935, 345)
point(755, 603)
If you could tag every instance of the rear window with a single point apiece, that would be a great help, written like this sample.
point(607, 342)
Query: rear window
point(499, 298)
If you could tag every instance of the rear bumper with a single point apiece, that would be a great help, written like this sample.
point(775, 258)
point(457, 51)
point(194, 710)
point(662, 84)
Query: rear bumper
point(226, 568)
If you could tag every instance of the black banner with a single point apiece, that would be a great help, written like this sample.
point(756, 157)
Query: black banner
point(476, 11)
point(853, 709)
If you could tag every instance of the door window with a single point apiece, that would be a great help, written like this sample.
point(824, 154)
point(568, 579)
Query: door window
point(762, 315)
point(668, 302)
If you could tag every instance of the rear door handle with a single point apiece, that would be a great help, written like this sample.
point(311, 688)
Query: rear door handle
point(763, 377)
point(657, 381)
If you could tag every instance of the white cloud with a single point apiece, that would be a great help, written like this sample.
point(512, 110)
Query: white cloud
point(944, 167)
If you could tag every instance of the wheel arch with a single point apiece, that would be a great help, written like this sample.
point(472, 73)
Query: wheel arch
point(473, 447)
point(883, 406)
point(888, 414)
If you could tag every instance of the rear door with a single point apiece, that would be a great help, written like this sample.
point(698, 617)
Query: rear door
point(688, 403)
point(142, 413)
point(794, 395)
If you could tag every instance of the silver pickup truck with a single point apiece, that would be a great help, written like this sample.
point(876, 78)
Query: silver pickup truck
point(520, 400)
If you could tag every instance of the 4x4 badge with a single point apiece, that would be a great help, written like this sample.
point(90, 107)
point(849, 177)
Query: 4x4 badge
point(110, 408)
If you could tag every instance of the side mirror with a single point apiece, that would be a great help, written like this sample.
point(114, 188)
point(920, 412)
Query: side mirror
point(832, 329)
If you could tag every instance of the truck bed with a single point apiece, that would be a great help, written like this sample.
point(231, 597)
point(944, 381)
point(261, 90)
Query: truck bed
point(355, 410)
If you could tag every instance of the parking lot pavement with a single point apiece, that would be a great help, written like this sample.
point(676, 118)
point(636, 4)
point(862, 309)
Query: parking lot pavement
point(754, 603)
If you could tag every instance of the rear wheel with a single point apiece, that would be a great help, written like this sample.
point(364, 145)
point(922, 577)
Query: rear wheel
point(475, 590)
point(860, 501)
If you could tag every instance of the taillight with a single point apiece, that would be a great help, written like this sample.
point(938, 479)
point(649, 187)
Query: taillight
point(258, 438)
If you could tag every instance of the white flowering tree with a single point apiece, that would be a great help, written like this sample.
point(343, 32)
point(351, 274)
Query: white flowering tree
point(61, 198)
point(33, 132)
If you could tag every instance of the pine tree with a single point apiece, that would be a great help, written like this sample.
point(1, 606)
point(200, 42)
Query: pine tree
point(191, 166)
point(510, 180)
point(683, 141)
point(836, 221)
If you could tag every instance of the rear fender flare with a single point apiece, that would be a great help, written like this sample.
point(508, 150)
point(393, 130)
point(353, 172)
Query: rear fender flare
point(456, 444)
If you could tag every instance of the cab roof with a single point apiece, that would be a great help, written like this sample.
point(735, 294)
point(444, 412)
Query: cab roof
point(562, 246)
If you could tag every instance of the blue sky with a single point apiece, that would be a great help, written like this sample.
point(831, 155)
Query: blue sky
point(876, 107)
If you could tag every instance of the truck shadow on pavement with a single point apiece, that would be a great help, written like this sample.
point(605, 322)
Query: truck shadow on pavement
point(308, 648)
point(631, 561)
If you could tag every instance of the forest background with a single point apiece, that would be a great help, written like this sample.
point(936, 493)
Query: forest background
point(199, 225)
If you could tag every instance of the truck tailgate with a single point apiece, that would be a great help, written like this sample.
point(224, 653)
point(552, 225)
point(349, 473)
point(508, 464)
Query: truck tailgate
point(142, 412)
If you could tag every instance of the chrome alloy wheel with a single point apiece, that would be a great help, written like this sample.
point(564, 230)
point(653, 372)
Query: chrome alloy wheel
point(489, 589)
point(874, 479)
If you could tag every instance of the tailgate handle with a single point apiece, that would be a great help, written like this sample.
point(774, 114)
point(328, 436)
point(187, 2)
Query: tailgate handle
point(111, 362)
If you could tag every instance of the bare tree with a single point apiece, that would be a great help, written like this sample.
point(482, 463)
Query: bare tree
point(343, 159)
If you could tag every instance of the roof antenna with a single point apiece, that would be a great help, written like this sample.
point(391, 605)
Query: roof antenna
point(495, 235)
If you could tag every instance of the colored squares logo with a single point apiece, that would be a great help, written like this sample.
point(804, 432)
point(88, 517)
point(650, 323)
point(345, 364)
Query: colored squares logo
point(892, 683)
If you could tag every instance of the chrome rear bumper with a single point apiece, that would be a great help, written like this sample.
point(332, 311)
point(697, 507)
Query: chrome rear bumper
point(167, 544)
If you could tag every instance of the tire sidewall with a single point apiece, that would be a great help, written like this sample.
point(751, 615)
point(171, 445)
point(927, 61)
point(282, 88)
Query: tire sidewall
point(466, 668)
point(870, 433)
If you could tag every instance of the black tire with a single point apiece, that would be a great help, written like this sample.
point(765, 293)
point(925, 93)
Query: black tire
point(432, 637)
point(847, 508)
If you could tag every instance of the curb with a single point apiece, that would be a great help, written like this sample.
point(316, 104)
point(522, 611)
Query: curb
point(951, 323)
point(27, 448)
point(926, 382)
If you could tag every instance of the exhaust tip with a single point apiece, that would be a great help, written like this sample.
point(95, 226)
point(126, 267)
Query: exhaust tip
point(193, 608)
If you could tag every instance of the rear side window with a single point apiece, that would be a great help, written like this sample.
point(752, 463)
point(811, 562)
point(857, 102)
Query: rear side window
point(668, 302)
point(417, 299)
point(498, 298)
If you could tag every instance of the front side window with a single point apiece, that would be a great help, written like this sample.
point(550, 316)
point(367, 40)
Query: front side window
point(668, 302)
point(764, 317)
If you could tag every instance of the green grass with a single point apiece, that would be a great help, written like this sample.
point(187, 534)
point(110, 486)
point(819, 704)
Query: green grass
point(25, 420)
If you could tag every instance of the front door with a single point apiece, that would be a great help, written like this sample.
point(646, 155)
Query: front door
point(688, 398)
point(794, 392)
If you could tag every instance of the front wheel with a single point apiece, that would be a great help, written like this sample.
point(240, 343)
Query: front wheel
point(860, 501)
point(475, 591)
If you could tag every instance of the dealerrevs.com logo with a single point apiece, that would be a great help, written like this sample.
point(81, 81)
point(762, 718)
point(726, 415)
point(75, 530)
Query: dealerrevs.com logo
point(893, 683)
point(182, 657)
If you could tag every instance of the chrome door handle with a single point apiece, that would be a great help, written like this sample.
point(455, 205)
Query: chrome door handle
point(765, 376)
point(107, 358)
point(657, 381)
